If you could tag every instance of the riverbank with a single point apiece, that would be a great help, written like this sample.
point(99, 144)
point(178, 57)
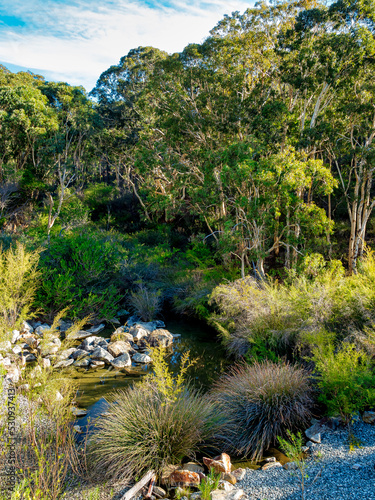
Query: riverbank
point(331, 461)
point(343, 473)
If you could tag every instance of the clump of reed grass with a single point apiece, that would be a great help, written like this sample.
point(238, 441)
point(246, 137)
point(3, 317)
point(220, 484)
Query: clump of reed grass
point(142, 430)
point(145, 303)
point(260, 402)
point(152, 424)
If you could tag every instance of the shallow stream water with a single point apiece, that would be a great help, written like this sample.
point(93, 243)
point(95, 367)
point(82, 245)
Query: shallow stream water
point(211, 362)
point(204, 347)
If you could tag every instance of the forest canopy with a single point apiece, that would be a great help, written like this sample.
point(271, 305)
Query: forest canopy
point(257, 142)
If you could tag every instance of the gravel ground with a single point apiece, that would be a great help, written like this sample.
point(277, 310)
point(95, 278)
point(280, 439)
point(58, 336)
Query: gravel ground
point(344, 474)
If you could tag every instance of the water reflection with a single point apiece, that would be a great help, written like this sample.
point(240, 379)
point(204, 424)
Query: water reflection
point(211, 362)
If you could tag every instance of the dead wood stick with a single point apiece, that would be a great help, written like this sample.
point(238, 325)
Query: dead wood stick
point(152, 482)
point(138, 486)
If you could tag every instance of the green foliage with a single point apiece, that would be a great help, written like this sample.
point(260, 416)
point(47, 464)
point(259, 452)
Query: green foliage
point(73, 213)
point(259, 351)
point(167, 385)
point(259, 403)
point(292, 447)
point(199, 253)
point(80, 271)
point(214, 168)
point(266, 318)
point(151, 425)
point(145, 303)
point(46, 450)
point(197, 141)
point(208, 484)
point(256, 315)
point(19, 278)
point(98, 195)
point(346, 379)
point(314, 265)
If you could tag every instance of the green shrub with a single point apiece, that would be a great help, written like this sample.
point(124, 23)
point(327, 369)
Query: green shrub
point(209, 483)
point(251, 313)
point(346, 379)
point(80, 271)
point(155, 423)
point(260, 402)
point(279, 316)
point(46, 450)
point(18, 282)
point(260, 351)
point(292, 447)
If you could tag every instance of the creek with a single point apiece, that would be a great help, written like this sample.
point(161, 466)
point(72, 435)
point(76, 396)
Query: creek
point(210, 358)
point(211, 361)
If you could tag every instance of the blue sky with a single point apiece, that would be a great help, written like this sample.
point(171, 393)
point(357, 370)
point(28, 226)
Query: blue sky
point(76, 40)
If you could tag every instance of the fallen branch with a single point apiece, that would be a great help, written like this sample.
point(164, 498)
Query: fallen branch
point(151, 486)
point(138, 486)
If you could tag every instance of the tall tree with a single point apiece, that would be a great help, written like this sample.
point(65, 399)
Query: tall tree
point(328, 62)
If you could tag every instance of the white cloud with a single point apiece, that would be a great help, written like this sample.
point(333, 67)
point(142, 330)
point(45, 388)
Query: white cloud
point(77, 42)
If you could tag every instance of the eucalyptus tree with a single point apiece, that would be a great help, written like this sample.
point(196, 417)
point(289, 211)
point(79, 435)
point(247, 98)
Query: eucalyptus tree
point(205, 107)
point(68, 151)
point(328, 62)
point(353, 153)
point(271, 204)
point(25, 121)
point(117, 92)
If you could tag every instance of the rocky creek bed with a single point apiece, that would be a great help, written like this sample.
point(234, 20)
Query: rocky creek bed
point(340, 472)
point(335, 470)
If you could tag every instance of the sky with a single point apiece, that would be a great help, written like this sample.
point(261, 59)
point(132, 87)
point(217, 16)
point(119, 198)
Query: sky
point(76, 40)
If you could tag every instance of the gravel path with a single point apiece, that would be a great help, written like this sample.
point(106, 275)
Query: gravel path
point(344, 474)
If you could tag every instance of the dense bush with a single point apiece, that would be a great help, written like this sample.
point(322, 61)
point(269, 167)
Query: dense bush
point(45, 449)
point(80, 271)
point(267, 318)
point(260, 402)
point(346, 379)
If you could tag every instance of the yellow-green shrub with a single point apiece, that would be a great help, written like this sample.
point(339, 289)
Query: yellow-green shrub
point(346, 378)
point(19, 278)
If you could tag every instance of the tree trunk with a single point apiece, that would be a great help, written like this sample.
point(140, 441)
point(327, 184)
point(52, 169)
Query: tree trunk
point(287, 246)
point(259, 268)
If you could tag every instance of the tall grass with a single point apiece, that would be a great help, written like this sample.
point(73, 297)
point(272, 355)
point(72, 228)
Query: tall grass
point(259, 403)
point(142, 431)
point(155, 423)
point(146, 303)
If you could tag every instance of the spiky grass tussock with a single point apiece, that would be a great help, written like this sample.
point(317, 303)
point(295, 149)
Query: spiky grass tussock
point(144, 430)
point(145, 303)
point(260, 402)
